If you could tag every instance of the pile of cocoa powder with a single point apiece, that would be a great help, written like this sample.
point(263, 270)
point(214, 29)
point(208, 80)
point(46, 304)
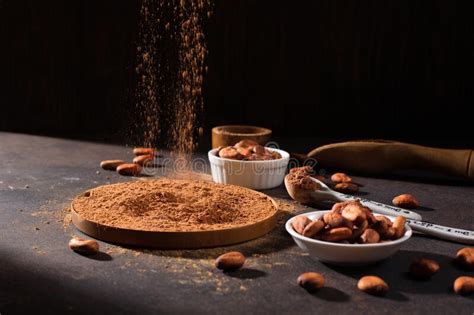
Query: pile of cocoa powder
point(300, 177)
point(173, 205)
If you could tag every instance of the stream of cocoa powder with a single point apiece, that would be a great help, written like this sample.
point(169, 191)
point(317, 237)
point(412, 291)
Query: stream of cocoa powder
point(171, 53)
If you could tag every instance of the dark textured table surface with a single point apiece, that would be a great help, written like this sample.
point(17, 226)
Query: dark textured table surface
point(38, 273)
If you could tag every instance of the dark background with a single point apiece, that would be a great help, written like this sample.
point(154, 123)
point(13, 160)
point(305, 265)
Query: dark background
point(331, 69)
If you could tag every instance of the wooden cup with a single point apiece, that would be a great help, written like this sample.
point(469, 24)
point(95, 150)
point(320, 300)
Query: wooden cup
point(231, 134)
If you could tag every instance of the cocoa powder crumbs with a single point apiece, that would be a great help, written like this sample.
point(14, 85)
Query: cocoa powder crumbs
point(173, 205)
point(300, 177)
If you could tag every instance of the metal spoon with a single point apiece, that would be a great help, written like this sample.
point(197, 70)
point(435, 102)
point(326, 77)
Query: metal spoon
point(413, 218)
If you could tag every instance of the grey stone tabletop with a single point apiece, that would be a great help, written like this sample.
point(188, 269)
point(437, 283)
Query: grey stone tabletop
point(39, 176)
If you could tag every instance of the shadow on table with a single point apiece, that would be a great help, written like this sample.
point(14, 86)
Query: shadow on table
point(276, 240)
point(331, 294)
point(395, 272)
point(27, 288)
point(246, 273)
point(326, 293)
point(100, 256)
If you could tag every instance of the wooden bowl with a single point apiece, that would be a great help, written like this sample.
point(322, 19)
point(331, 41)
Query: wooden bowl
point(176, 240)
point(231, 134)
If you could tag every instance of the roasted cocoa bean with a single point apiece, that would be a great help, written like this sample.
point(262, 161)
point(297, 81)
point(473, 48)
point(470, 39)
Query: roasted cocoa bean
point(313, 228)
point(143, 159)
point(369, 236)
point(399, 227)
point(406, 201)
point(144, 151)
point(111, 165)
point(465, 257)
point(373, 285)
point(337, 234)
point(129, 169)
point(346, 188)
point(83, 246)
point(464, 285)
point(311, 281)
point(340, 178)
point(230, 153)
point(230, 261)
point(423, 268)
point(299, 224)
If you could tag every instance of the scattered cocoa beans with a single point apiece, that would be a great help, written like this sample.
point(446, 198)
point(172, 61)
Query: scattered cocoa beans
point(465, 257)
point(142, 156)
point(405, 201)
point(311, 281)
point(111, 165)
point(340, 178)
point(313, 228)
point(83, 246)
point(299, 223)
point(230, 261)
point(143, 159)
point(423, 268)
point(129, 169)
point(144, 151)
point(347, 188)
point(464, 285)
point(373, 285)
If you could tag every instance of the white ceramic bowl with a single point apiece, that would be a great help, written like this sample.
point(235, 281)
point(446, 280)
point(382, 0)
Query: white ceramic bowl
point(345, 254)
point(250, 174)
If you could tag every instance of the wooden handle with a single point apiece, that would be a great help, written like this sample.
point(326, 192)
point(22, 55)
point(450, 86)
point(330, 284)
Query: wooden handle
point(378, 157)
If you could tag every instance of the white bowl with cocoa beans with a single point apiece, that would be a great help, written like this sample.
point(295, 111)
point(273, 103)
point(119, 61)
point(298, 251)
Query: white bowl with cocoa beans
point(248, 164)
point(349, 234)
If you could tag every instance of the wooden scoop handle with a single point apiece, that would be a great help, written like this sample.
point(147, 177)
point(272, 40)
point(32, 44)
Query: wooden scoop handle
point(377, 157)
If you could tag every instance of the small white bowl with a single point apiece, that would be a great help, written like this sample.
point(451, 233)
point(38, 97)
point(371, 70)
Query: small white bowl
point(345, 254)
point(250, 174)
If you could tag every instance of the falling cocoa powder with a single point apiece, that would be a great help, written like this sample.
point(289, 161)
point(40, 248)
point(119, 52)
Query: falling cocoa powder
point(171, 52)
point(173, 205)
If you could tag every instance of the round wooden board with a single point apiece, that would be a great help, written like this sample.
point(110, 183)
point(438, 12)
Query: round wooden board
point(175, 240)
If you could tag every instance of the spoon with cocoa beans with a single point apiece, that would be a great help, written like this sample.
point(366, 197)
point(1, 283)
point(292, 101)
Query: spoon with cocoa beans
point(304, 188)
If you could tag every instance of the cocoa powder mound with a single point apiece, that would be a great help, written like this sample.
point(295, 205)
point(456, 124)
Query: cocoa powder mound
point(300, 177)
point(173, 205)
